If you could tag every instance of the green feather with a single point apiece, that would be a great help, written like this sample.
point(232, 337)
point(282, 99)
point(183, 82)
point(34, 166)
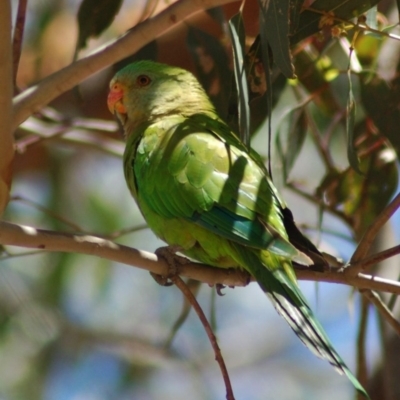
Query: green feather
point(200, 189)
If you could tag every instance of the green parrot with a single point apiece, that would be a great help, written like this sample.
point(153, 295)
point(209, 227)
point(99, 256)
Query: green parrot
point(200, 189)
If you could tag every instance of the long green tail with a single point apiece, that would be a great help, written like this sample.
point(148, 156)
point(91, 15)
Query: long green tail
point(291, 305)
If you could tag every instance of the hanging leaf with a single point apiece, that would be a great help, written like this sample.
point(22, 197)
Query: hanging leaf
point(95, 16)
point(236, 29)
point(350, 120)
point(277, 27)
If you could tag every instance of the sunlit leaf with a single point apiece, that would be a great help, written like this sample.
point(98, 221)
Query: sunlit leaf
point(372, 17)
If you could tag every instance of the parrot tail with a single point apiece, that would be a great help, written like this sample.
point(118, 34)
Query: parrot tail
point(292, 306)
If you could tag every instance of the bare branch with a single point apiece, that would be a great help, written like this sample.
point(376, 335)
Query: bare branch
point(6, 92)
point(33, 99)
point(29, 237)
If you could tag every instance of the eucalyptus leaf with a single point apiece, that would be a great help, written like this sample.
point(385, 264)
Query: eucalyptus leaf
point(94, 17)
point(277, 27)
point(236, 28)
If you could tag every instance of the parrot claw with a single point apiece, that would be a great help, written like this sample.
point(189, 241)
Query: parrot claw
point(218, 288)
point(168, 253)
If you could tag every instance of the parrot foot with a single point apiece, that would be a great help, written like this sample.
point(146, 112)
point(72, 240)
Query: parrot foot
point(168, 253)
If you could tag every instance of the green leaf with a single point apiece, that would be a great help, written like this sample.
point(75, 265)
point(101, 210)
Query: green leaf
point(236, 29)
point(95, 16)
point(350, 120)
point(277, 27)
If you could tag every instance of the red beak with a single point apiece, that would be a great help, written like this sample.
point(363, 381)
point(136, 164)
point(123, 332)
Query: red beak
point(114, 99)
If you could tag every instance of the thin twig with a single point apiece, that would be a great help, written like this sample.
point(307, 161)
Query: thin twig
point(213, 340)
point(369, 236)
point(18, 36)
point(374, 298)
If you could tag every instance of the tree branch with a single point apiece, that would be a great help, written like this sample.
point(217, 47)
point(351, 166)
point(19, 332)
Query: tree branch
point(6, 93)
point(36, 97)
point(29, 237)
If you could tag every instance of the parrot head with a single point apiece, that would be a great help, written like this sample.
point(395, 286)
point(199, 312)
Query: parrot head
point(145, 91)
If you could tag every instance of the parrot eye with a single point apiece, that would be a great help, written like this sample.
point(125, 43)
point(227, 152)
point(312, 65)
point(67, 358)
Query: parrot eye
point(143, 80)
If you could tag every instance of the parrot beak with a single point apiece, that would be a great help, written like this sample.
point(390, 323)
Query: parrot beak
point(114, 99)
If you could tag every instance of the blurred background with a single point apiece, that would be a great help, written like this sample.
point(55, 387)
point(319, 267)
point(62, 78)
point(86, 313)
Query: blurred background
point(76, 327)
